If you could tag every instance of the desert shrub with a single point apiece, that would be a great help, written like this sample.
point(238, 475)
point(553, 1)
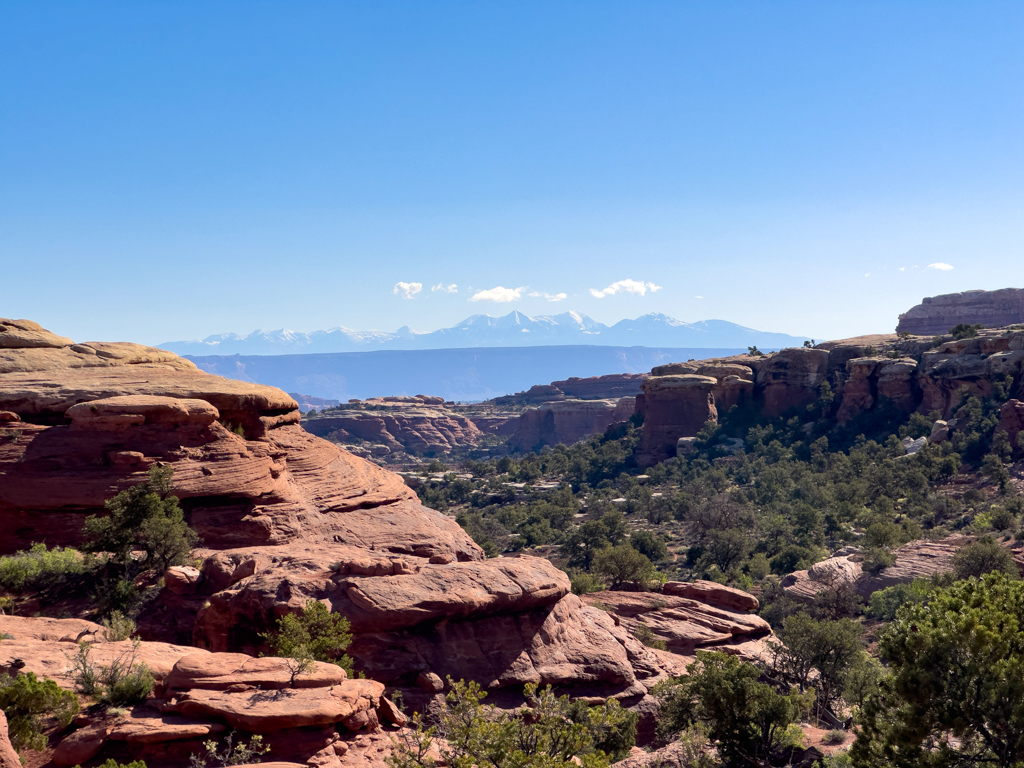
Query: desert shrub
point(42, 570)
point(124, 683)
point(112, 763)
point(242, 753)
point(549, 732)
point(26, 699)
point(584, 583)
point(621, 565)
point(884, 603)
point(119, 627)
point(649, 545)
point(316, 634)
point(145, 517)
point(877, 560)
point(984, 556)
point(834, 737)
point(965, 331)
point(747, 720)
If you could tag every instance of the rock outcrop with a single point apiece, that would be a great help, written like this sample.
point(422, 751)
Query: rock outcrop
point(8, 757)
point(612, 386)
point(935, 315)
point(673, 406)
point(918, 559)
point(416, 429)
point(568, 421)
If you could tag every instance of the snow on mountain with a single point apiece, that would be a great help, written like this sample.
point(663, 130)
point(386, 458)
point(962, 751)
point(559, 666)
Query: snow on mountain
point(512, 330)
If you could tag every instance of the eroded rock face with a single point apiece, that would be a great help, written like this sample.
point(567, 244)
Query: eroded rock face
point(8, 757)
point(935, 315)
point(612, 386)
point(419, 429)
point(568, 421)
point(674, 406)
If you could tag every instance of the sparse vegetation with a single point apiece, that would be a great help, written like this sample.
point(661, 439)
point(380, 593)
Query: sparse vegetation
point(229, 752)
point(548, 732)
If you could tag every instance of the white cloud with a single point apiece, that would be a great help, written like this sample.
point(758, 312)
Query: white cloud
point(453, 288)
point(941, 265)
point(903, 269)
point(549, 296)
point(636, 287)
point(407, 290)
point(499, 294)
point(698, 297)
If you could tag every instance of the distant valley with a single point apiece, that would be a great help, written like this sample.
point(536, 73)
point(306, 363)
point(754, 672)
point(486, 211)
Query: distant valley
point(467, 375)
point(512, 330)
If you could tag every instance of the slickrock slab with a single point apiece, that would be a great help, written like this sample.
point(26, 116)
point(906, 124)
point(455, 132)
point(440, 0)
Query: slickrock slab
point(146, 726)
point(684, 624)
point(262, 711)
point(220, 671)
point(711, 593)
point(54, 630)
point(918, 559)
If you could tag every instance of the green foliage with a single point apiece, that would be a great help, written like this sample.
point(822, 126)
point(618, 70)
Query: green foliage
point(584, 583)
point(119, 627)
point(143, 518)
point(594, 535)
point(124, 683)
point(112, 763)
point(877, 560)
point(26, 699)
point(747, 720)
point(549, 732)
point(621, 565)
point(884, 603)
point(316, 634)
point(835, 737)
point(954, 694)
point(648, 544)
point(819, 653)
point(43, 570)
point(242, 753)
point(984, 556)
point(965, 331)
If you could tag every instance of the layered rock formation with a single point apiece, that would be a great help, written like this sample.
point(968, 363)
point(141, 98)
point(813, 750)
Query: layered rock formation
point(284, 517)
point(611, 386)
point(905, 373)
point(935, 315)
point(568, 421)
point(420, 429)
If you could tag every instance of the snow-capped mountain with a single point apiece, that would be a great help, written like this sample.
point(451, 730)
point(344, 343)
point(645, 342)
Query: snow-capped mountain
point(512, 330)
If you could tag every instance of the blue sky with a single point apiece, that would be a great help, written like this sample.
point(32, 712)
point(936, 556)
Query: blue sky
point(170, 170)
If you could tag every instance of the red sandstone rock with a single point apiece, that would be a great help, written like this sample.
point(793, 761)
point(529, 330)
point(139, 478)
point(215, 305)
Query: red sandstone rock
point(711, 593)
point(1011, 421)
point(417, 429)
point(182, 579)
point(221, 671)
point(80, 746)
point(8, 757)
point(261, 711)
point(675, 406)
point(568, 421)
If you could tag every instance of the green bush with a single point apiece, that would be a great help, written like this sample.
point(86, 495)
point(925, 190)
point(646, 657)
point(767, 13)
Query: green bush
point(42, 570)
point(646, 636)
point(316, 634)
point(549, 732)
point(984, 556)
point(877, 560)
point(621, 565)
point(25, 699)
point(145, 517)
point(584, 583)
point(112, 763)
point(884, 603)
point(122, 684)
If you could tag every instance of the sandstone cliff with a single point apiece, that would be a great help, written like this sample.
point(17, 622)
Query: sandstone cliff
point(935, 315)
point(568, 421)
point(909, 373)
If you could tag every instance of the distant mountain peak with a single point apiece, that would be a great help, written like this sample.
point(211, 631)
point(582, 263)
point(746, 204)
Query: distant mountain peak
point(515, 329)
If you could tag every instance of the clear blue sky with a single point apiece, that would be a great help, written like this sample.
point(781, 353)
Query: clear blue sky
point(170, 170)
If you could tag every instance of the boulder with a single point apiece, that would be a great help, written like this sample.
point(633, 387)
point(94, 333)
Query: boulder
point(261, 711)
point(221, 671)
point(182, 579)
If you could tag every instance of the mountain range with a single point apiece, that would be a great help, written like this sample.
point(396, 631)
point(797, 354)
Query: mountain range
point(512, 330)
